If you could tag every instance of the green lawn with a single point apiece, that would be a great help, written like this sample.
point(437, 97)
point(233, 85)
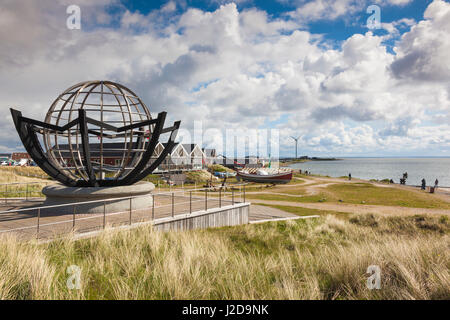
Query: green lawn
point(278, 197)
point(362, 193)
point(370, 194)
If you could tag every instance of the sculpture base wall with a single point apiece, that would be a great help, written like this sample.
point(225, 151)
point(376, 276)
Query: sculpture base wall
point(57, 194)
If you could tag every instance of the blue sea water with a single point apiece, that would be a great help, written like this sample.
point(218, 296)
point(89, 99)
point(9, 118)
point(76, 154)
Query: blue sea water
point(384, 168)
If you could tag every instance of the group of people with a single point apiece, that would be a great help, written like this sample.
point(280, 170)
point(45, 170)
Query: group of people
point(424, 184)
point(402, 180)
point(306, 172)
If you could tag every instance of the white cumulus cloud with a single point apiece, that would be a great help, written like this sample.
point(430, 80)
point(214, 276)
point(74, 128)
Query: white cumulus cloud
point(240, 69)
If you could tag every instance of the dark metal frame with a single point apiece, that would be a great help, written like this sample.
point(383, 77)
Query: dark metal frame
point(27, 129)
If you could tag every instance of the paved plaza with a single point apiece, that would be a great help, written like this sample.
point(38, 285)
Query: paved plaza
point(25, 219)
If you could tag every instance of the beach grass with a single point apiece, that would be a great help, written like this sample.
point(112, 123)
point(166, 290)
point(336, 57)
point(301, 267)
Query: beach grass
point(14, 180)
point(10, 174)
point(324, 258)
point(34, 189)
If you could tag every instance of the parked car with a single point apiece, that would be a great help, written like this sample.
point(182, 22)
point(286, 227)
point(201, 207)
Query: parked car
point(4, 163)
point(221, 174)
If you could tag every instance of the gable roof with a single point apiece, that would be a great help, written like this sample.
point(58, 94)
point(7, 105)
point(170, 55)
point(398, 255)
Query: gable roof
point(177, 145)
point(210, 153)
point(189, 147)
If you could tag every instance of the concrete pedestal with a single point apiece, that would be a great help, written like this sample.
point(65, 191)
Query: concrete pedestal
point(57, 194)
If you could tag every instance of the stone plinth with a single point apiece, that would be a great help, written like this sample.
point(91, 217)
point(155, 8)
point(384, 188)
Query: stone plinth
point(57, 194)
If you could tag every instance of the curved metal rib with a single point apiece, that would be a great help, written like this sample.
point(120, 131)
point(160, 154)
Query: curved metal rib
point(169, 147)
point(34, 149)
point(86, 150)
point(131, 176)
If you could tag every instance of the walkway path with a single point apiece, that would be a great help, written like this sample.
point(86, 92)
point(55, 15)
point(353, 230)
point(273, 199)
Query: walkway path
point(265, 212)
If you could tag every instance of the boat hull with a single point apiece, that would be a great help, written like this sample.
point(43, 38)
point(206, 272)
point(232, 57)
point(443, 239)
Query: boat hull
point(284, 177)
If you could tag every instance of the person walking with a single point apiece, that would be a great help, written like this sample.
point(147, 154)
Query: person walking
point(349, 176)
point(405, 176)
point(436, 182)
point(424, 184)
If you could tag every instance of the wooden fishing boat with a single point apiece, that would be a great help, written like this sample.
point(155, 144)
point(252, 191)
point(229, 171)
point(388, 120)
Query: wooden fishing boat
point(263, 176)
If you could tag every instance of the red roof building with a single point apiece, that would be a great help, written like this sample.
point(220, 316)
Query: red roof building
point(16, 156)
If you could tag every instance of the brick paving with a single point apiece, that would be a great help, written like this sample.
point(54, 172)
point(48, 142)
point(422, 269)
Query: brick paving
point(24, 221)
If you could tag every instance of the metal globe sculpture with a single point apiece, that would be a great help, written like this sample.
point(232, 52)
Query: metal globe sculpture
point(96, 134)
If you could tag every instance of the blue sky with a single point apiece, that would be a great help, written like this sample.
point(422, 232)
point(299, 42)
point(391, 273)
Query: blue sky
point(338, 29)
point(306, 68)
point(335, 30)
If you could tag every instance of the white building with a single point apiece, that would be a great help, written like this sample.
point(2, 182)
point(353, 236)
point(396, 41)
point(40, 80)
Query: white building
point(210, 156)
point(183, 157)
point(196, 155)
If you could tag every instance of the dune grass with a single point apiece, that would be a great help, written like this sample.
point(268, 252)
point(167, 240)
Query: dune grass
point(34, 189)
point(325, 258)
point(21, 174)
point(219, 168)
point(14, 180)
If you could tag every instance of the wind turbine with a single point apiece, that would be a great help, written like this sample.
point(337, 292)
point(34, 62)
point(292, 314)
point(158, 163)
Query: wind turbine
point(296, 143)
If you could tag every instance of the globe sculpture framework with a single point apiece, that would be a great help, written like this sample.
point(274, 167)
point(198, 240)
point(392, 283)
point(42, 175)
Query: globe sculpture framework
point(90, 122)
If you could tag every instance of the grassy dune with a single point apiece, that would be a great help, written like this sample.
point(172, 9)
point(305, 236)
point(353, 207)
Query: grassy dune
point(21, 174)
point(325, 258)
point(18, 177)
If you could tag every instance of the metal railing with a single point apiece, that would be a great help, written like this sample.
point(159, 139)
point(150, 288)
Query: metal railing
point(21, 191)
point(55, 220)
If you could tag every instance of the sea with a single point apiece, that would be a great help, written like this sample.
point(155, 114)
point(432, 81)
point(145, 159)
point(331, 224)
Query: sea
point(384, 168)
